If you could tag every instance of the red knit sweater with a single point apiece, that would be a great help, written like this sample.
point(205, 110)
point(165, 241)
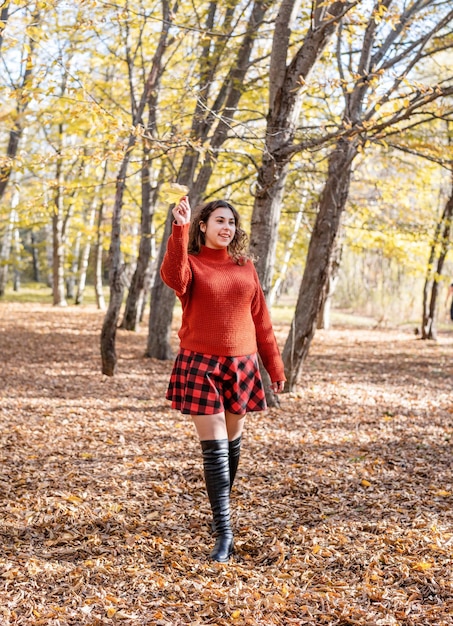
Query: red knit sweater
point(224, 312)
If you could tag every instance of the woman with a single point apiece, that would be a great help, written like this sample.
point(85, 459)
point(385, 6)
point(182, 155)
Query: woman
point(215, 378)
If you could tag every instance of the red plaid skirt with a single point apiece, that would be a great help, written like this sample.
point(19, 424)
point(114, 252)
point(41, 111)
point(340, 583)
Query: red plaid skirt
point(202, 384)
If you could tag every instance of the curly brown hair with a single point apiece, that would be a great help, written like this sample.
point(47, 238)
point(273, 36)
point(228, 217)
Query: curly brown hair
point(237, 248)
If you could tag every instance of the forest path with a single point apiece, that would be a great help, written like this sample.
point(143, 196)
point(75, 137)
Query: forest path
point(342, 507)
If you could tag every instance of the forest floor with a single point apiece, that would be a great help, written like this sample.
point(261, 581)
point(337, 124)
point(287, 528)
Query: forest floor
point(342, 508)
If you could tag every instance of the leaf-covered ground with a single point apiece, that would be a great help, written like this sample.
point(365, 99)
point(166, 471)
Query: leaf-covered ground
point(342, 505)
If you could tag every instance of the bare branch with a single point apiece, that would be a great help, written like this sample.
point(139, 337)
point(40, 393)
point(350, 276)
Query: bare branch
point(366, 61)
point(445, 163)
point(398, 30)
point(422, 42)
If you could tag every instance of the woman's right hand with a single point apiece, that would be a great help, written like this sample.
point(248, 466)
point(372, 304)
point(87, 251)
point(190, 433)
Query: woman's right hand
point(181, 212)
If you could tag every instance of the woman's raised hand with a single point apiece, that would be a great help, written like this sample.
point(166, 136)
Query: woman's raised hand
point(181, 212)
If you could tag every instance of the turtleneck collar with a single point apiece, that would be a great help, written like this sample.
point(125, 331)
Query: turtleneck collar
point(214, 254)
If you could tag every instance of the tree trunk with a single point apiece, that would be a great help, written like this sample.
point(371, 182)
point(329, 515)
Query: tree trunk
point(285, 99)
point(98, 247)
point(98, 251)
point(109, 327)
point(275, 291)
point(49, 254)
point(23, 95)
point(149, 279)
point(85, 256)
point(58, 239)
point(319, 258)
point(7, 244)
point(58, 286)
point(136, 295)
point(324, 317)
point(222, 112)
point(439, 249)
point(116, 269)
point(161, 311)
point(16, 249)
point(75, 258)
point(131, 316)
point(5, 253)
point(4, 14)
point(34, 256)
point(264, 230)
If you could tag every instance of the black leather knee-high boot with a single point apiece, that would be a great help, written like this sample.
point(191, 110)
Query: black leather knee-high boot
point(217, 476)
point(234, 452)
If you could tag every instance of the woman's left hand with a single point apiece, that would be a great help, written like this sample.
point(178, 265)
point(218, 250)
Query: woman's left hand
point(278, 386)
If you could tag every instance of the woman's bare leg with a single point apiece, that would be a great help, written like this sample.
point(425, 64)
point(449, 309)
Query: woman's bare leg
point(234, 425)
point(210, 427)
point(219, 426)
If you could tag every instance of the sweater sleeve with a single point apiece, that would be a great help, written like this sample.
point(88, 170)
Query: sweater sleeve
point(175, 269)
point(265, 337)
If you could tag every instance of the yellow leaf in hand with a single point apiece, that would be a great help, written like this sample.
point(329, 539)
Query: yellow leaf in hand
point(173, 192)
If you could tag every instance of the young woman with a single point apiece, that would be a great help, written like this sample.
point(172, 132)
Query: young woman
point(225, 321)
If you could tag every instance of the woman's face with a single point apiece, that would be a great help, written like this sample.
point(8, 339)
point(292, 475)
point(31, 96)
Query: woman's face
point(220, 228)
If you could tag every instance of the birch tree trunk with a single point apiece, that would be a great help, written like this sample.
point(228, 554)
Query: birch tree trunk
point(6, 249)
point(5, 252)
point(16, 250)
point(85, 255)
point(99, 245)
point(274, 292)
point(49, 255)
point(109, 326)
point(98, 251)
point(58, 235)
point(74, 268)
